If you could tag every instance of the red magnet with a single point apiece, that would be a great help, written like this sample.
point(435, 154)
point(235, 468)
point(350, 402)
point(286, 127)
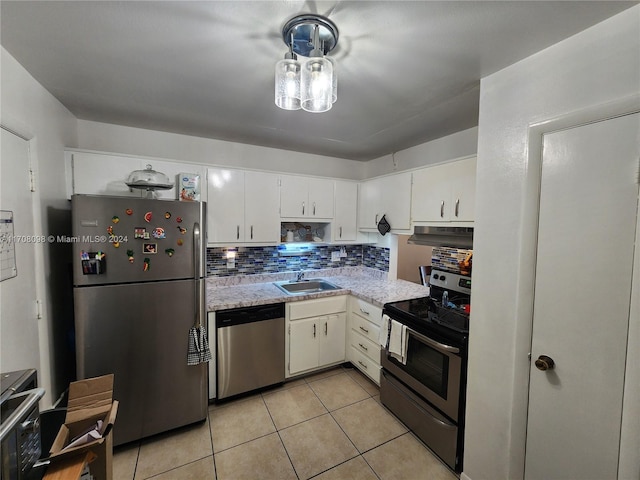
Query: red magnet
point(147, 264)
point(129, 211)
point(179, 219)
point(147, 217)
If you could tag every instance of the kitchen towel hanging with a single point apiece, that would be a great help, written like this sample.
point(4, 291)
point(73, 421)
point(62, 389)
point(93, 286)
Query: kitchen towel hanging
point(383, 226)
point(199, 351)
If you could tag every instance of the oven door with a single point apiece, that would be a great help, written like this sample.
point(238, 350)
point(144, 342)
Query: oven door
point(432, 370)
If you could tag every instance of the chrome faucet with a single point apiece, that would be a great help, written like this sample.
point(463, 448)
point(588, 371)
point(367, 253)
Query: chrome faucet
point(300, 276)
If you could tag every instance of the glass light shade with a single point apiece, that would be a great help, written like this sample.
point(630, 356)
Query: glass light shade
point(334, 84)
point(288, 84)
point(317, 85)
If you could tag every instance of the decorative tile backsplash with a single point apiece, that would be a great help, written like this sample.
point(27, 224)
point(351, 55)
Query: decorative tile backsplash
point(260, 260)
point(448, 258)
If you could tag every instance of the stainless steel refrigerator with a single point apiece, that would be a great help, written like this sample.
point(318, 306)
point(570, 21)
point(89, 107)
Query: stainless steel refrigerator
point(138, 272)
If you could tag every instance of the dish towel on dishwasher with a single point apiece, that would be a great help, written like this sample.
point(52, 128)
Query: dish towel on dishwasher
point(393, 336)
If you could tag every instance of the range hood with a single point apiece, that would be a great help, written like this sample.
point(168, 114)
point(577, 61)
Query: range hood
point(458, 237)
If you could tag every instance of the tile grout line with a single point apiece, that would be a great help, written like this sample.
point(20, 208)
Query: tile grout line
point(280, 437)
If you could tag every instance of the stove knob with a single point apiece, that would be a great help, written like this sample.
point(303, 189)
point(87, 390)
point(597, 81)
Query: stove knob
point(436, 276)
point(443, 278)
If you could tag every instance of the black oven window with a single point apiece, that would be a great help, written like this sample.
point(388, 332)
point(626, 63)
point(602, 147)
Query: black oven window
point(428, 366)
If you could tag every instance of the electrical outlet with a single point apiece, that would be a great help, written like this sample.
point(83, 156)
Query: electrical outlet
point(335, 256)
point(343, 252)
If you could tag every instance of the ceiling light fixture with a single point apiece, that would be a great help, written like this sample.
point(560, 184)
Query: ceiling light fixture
point(311, 82)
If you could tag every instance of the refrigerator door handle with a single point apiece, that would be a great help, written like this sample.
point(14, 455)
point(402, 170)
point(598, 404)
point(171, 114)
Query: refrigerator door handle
point(196, 272)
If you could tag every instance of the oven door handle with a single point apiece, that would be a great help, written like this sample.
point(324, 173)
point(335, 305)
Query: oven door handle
point(31, 399)
point(433, 343)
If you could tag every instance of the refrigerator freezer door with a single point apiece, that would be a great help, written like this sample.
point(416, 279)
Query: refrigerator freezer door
point(142, 240)
point(139, 332)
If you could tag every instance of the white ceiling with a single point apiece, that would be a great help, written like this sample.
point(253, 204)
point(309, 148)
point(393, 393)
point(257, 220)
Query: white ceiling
point(408, 71)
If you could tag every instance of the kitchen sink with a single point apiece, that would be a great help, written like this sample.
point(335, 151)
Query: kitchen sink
point(301, 287)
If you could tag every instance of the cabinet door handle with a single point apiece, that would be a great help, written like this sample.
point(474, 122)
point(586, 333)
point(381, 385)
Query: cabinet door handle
point(238, 232)
point(251, 232)
point(364, 329)
point(303, 208)
point(314, 330)
point(457, 206)
point(362, 364)
point(376, 219)
point(340, 232)
point(442, 209)
point(363, 347)
point(364, 311)
point(314, 208)
point(326, 329)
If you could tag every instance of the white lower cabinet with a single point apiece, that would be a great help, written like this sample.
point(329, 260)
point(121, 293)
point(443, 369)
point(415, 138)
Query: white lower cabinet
point(316, 334)
point(364, 330)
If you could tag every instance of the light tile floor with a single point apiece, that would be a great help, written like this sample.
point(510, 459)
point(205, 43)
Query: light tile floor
point(326, 426)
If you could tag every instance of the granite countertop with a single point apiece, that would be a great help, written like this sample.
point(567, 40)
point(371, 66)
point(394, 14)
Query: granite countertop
point(366, 283)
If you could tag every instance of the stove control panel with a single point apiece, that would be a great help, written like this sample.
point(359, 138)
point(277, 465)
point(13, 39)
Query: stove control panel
point(451, 281)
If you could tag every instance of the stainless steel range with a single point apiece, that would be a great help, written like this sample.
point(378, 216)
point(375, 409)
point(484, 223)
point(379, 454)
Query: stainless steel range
point(427, 391)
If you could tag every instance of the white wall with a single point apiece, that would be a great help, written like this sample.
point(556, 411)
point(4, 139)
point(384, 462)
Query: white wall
point(34, 113)
point(456, 145)
point(136, 141)
point(594, 67)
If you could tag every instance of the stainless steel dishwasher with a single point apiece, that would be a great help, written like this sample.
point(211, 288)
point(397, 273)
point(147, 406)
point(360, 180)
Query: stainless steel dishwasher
point(250, 348)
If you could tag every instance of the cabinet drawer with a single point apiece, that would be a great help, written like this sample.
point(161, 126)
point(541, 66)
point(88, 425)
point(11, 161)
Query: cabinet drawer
point(361, 343)
point(365, 327)
point(316, 307)
point(366, 310)
point(365, 365)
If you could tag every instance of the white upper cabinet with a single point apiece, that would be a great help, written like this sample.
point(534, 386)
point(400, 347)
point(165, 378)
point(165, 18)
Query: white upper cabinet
point(105, 174)
point(388, 196)
point(346, 214)
point(242, 207)
point(306, 197)
point(101, 174)
point(444, 193)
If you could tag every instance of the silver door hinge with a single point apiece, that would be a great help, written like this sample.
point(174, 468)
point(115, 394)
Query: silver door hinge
point(32, 180)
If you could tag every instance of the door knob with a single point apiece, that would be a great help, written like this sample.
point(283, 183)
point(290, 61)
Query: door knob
point(545, 363)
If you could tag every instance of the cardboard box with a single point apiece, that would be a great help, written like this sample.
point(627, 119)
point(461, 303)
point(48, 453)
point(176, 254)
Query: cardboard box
point(90, 400)
point(188, 187)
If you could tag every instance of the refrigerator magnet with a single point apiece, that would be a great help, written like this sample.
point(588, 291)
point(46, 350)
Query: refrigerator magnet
point(139, 232)
point(129, 211)
point(110, 229)
point(180, 242)
point(115, 219)
point(146, 265)
point(151, 248)
point(179, 219)
point(182, 230)
point(169, 251)
point(130, 255)
point(158, 233)
point(148, 216)
point(167, 215)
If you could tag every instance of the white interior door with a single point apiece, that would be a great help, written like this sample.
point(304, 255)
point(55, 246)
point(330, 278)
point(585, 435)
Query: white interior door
point(588, 207)
point(19, 326)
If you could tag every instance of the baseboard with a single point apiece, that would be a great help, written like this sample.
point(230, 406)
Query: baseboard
point(464, 476)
